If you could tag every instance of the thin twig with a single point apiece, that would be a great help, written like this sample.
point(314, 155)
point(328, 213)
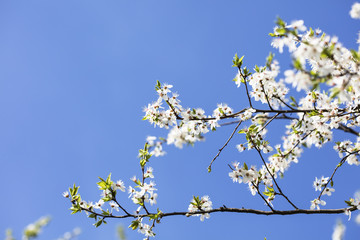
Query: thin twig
point(220, 150)
point(263, 127)
point(266, 96)
point(246, 87)
point(333, 174)
point(272, 176)
point(266, 202)
point(285, 103)
point(173, 109)
point(114, 199)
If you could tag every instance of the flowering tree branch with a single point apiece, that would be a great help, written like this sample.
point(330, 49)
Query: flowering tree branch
point(326, 77)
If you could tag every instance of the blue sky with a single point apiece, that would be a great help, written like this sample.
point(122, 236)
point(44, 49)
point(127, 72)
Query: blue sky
point(75, 75)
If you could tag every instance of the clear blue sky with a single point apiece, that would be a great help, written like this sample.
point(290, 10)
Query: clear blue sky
point(75, 75)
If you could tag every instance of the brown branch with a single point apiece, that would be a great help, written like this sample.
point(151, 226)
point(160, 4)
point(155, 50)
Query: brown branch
point(246, 87)
point(285, 103)
point(266, 96)
point(263, 198)
point(220, 150)
point(266, 117)
point(173, 109)
point(272, 176)
point(347, 129)
point(343, 113)
point(271, 119)
point(333, 174)
point(236, 210)
point(114, 199)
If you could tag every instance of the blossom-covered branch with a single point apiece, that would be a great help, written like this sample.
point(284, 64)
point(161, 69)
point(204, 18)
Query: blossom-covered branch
point(319, 94)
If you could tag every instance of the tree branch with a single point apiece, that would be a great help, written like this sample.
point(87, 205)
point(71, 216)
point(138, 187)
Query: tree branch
point(220, 150)
point(235, 210)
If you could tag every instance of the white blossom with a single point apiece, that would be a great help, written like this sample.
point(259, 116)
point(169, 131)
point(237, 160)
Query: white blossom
point(355, 11)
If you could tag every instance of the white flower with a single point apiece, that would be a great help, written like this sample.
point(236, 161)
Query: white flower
point(247, 114)
point(114, 205)
point(315, 204)
point(299, 24)
point(119, 185)
point(99, 204)
point(348, 213)
point(352, 159)
point(328, 191)
point(317, 184)
point(222, 110)
point(149, 173)
point(357, 219)
point(151, 140)
point(66, 194)
point(252, 189)
point(203, 205)
point(339, 231)
point(240, 147)
point(131, 191)
point(355, 11)
point(153, 198)
point(106, 193)
point(237, 79)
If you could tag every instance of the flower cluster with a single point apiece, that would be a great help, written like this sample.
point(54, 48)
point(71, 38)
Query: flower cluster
point(350, 149)
point(34, 229)
point(142, 193)
point(71, 235)
point(202, 204)
point(265, 88)
point(188, 124)
point(355, 11)
point(157, 150)
point(353, 203)
point(322, 182)
point(142, 228)
point(145, 192)
point(321, 185)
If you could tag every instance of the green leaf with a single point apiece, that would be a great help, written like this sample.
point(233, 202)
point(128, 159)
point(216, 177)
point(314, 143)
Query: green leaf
point(106, 213)
point(158, 85)
point(311, 32)
point(281, 31)
point(270, 189)
point(108, 180)
point(98, 223)
point(245, 166)
point(334, 92)
point(294, 100)
point(237, 62)
point(349, 203)
point(297, 64)
point(327, 52)
point(241, 131)
point(280, 22)
point(269, 194)
point(142, 162)
point(102, 185)
point(355, 54)
point(269, 59)
point(134, 225)
point(272, 35)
